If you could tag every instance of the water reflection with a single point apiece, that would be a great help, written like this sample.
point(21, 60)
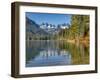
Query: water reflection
point(52, 52)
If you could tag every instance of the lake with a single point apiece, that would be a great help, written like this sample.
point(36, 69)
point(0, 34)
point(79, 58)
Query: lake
point(55, 53)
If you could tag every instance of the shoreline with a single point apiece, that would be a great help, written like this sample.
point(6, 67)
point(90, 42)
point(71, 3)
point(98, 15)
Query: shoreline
point(82, 40)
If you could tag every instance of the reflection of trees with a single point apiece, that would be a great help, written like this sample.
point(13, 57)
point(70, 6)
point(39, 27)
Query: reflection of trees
point(79, 53)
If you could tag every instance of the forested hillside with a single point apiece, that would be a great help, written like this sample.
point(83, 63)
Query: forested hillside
point(78, 29)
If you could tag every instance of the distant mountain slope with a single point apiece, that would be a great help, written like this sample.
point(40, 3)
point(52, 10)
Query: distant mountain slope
point(33, 29)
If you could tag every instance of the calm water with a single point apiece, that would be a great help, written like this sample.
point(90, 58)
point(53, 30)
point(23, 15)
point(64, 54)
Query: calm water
point(52, 53)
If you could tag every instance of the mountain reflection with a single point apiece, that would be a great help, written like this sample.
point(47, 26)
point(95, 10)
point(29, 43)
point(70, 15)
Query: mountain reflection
point(53, 52)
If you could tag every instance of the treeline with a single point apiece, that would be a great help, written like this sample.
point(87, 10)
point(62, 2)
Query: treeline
point(42, 37)
point(79, 28)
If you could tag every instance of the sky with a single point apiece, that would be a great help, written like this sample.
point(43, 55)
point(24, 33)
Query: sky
point(55, 19)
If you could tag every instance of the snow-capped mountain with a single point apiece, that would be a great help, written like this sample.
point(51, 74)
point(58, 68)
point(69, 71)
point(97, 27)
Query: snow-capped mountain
point(32, 28)
point(44, 31)
point(48, 26)
point(52, 29)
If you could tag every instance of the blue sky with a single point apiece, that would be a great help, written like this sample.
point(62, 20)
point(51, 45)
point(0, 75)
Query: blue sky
point(55, 19)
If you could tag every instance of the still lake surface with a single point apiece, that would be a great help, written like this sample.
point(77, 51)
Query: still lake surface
point(52, 53)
